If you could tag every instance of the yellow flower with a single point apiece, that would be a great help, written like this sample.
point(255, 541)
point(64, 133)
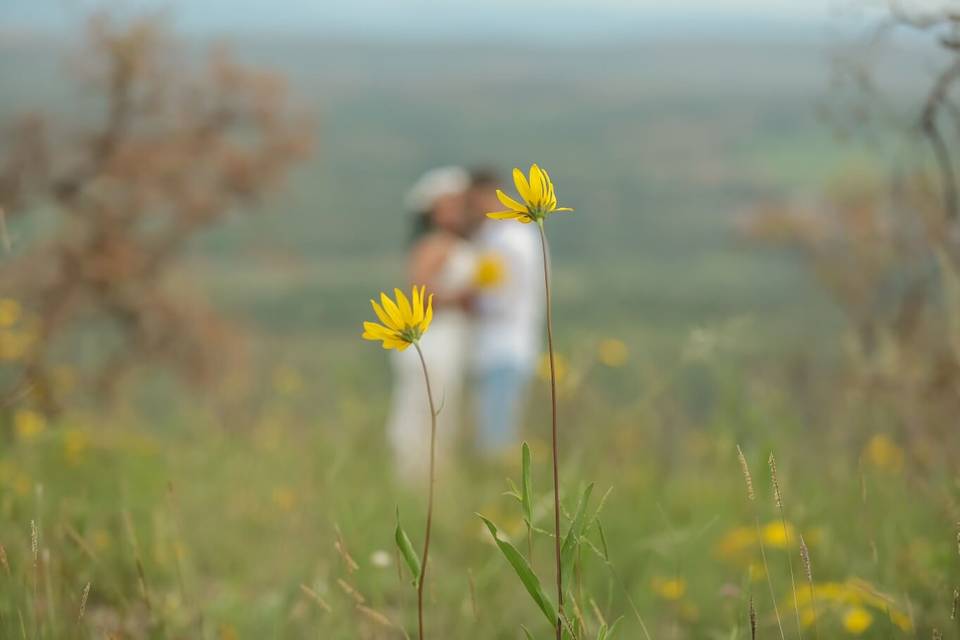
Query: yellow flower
point(857, 620)
point(284, 498)
point(28, 424)
point(774, 534)
point(669, 588)
point(884, 454)
point(9, 312)
point(489, 272)
point(75, 443)
point(613, 352)
point(559, 364)
point(404, 323)
point(539, 198)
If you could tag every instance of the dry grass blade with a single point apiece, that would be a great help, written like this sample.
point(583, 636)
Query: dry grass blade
point(3, 560)
point(808, 571)
point(313, 595)
point(778, 498)
point(351, 591)
point(341, 546)
point(763, 552)
point(377, 617)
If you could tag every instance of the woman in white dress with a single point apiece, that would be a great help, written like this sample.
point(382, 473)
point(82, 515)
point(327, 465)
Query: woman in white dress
point(445, 262)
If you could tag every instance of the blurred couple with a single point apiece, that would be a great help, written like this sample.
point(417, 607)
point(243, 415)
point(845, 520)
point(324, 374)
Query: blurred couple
point(487, 281)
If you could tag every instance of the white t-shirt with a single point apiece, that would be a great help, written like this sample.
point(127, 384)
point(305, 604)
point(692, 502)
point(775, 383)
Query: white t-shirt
point(508, 325)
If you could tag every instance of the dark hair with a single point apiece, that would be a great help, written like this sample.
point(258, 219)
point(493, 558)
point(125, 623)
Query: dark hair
point(484, 177)
point(423, 225)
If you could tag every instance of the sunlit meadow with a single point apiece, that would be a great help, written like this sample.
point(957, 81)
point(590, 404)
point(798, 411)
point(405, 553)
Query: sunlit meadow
point(751, 380)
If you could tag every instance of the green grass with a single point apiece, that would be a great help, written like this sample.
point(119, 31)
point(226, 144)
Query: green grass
point(233, 510)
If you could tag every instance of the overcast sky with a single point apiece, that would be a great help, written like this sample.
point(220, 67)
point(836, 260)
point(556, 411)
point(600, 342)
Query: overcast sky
point(536, 20)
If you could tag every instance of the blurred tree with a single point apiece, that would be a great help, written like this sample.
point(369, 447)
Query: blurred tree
point(887, 250)
point(178, 145)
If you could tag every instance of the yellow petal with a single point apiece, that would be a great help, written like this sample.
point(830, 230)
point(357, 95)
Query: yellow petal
point(393, 311)
point(404, 305)
point(550, 197)
point(505, 215)
point(384, 318)
point(428, 318)
point(416, 301)
point(523, 188)
point(561, 209)
point(377, 331)
point(509, 202)
point(536, 185)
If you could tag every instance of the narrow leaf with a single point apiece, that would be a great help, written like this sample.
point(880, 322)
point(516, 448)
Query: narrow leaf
point(526, 632)
point(529, 579)
point(406, 550)
point(572, 540)
point(526, 496)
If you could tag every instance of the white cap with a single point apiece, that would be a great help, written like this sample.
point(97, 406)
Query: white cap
point(434, 184)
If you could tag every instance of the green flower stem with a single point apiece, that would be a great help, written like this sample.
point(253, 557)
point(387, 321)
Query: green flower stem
point(555, 439)
point(429, 525)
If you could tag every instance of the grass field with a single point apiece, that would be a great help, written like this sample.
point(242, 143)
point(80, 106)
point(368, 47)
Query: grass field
point(275, 518)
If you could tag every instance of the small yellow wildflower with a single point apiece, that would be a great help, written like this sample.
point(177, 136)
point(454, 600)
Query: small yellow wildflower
point(28, 424)
point(539, 198)
point(669, 588)
point(857, 620)
point(774, 534)
point(737, 541)
point(490, 271)
point(560, 364)
point(404, 322)
point(884, 454)
point(75, 443)
point(10, 312)
point(613, 352)
point(284, 498)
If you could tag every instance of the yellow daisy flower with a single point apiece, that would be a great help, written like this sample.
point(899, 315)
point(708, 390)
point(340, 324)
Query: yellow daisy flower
point(404, 321)
point(539, 198)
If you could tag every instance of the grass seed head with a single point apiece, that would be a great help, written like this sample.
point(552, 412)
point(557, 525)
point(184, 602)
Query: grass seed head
point(776, 483)
point(746, 474)
point(83, 601)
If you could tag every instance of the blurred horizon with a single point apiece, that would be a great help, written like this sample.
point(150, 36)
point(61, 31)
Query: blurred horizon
point(574, 22)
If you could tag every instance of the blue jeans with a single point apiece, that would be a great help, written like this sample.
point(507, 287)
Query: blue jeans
point(498, 403)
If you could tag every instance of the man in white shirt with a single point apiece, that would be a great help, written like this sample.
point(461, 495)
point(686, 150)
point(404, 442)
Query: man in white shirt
point(508, 320)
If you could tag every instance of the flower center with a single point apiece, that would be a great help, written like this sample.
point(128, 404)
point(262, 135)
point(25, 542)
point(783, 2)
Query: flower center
point(411, 333)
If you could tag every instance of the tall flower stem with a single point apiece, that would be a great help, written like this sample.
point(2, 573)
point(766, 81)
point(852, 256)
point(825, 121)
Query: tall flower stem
point(555, 439)
point(429, 525)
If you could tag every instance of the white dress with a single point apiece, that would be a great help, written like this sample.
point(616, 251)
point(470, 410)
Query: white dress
point(444, 350)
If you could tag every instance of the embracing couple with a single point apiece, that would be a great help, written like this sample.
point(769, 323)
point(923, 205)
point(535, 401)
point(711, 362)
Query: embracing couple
point(487, 283)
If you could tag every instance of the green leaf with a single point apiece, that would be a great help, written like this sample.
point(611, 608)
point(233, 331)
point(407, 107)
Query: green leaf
point(526, 632)
point(526, 486)
point(606, 633)
point(524, 572)
point(603, 541)
point(572, 541)
point(406, 550)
